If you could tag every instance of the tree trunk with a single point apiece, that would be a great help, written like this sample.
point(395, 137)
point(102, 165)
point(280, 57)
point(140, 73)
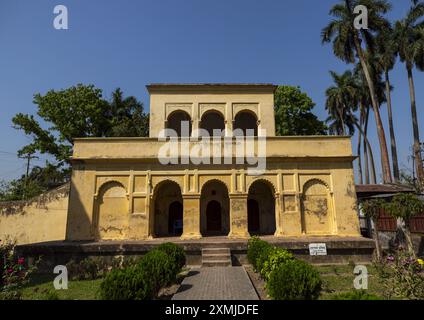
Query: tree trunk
point(417, 147)
point(361, 181)
point(368, 153)
point(376, 237)
point(385, 163)
point(395, 162)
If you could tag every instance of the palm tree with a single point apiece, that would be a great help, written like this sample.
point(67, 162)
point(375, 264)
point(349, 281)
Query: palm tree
point(347, 45)
point(342, 101)
point(385, 61)
point(409, 37)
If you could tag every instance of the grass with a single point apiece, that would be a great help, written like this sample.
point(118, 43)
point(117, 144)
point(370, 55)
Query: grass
point(339, 279)
point(41, 288)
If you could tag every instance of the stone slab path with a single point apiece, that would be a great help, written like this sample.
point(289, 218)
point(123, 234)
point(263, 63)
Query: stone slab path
point(216, 283)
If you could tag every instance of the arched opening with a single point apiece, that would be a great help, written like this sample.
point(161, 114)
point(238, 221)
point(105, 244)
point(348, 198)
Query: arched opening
point(261, 208)
point(112, 212)
point(214, 209)
point(213, 120)
point(315, 208)
point(180, 122)
point(168, 210)
point(247, 122)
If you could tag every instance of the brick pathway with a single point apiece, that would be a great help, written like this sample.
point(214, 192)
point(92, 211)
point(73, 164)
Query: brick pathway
point(216, 283)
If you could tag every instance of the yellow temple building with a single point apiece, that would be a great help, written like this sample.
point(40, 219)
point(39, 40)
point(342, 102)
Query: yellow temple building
point(189, 186)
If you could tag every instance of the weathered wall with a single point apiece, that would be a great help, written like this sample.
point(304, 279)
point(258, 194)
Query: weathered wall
point(40, 219)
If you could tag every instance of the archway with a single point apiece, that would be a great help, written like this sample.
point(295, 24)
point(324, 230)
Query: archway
point(113, 213)
point(213, 120)
point(247, 122)
point(315, 208)
point(178, 119)
point(214, 209)
point(168, 210)
point(261, 208)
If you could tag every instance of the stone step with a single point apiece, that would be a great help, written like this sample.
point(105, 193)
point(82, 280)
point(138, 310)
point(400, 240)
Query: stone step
point(215, 257)
point(217, 263)
point(216, 251)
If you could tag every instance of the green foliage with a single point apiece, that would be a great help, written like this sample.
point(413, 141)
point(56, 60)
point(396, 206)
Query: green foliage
point(126, 284)
point(275, 258)
point(372, 208)
point(293, 113)
point(405, 206)
point(355, 295)
point(294, 280)
point(255, 248)
point(14, 272)
point(176, 253)
point(403, 276)
point(77, 112)
point(40, 179)
point(159, 267)
point(87, 269)
point(51, 295)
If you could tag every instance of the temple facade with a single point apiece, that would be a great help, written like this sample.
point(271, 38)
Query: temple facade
point(241, 181)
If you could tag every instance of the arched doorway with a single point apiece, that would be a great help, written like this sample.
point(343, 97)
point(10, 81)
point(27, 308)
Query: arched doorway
point(261, 208)
point(177, 120)
point(112, 212)
point(168, 210)
point(247, 122)
point(214, 209)
point(213, 120)
point(316, 208)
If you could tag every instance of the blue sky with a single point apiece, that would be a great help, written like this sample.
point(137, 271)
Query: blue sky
point(129, 43)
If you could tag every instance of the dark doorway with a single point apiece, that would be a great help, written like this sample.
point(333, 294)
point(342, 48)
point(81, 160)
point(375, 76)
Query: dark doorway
point(213, 121)
point(246, 122)
point(213, 217)
point(178, 119)
point(253, 216)
point(175, 218)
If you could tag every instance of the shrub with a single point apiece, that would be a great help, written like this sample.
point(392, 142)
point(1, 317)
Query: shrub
point(87, 269)
point(355, 295)
point(255, 249)
point(275, 258)
point(159, 269)
point(126, 284)
point(176, 253)
point(294, 280)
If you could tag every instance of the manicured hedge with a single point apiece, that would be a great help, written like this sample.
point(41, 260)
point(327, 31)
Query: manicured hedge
point(142, 281)
point(257, 251)
point(294, 280)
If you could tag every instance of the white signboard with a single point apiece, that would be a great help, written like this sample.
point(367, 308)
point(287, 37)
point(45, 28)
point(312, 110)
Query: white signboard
point(317, 249)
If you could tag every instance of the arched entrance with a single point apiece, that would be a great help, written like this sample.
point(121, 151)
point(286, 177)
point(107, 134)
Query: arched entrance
point(112, 212)
point(261, 208)
point(213, 120)
point(247, 122)
point(168, 210)
point(176, 120)
point(214, 209)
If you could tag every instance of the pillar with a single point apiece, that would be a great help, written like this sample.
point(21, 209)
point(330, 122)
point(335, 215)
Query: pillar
point(238, 217)
point(191, 217)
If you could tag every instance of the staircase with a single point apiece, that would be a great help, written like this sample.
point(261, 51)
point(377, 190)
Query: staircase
point(216, 257)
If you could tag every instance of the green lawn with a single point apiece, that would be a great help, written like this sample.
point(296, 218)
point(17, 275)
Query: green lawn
point(339, 279)
point(41, 287)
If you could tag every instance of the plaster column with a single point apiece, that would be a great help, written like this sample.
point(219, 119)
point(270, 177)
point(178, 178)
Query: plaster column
point(278, 216)
point(290, 218)
point(238, 217)
point(191, 217)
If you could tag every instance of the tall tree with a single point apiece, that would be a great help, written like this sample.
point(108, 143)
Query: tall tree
point(347, 45)
point(78, 112)
point(293, 113)
point(409, 36)
point(385, 60)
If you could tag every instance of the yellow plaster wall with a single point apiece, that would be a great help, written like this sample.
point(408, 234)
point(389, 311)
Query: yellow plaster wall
point(40, 219)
